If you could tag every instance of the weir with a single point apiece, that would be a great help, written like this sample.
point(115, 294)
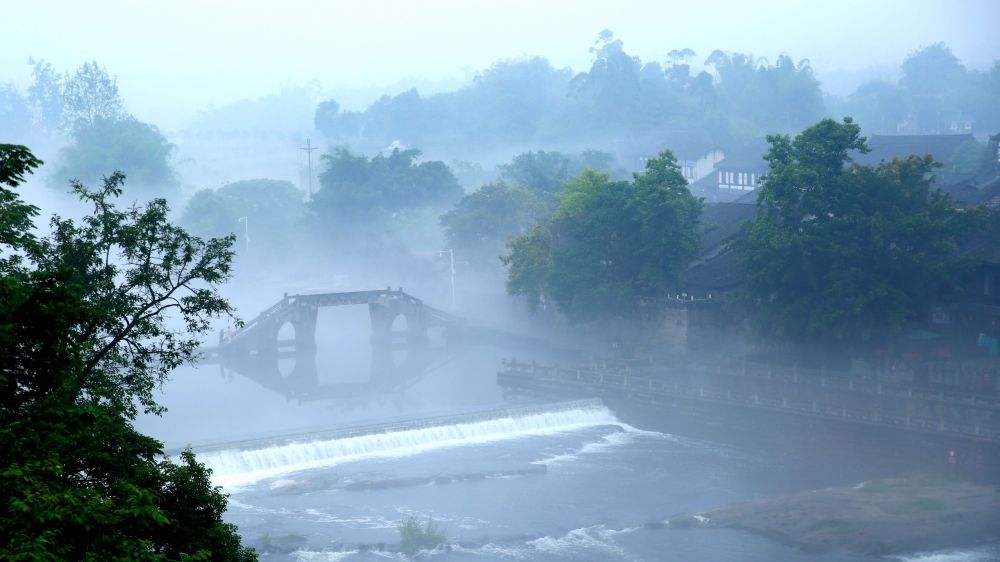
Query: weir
point(397, 425)
point(240, 462)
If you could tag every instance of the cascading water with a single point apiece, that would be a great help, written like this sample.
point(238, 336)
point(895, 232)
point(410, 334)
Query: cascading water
point(243, 465)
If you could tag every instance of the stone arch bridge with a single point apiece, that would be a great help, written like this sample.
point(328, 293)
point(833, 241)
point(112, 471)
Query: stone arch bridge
point(261, 336)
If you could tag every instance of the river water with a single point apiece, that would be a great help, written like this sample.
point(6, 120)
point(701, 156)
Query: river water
point(553, 483)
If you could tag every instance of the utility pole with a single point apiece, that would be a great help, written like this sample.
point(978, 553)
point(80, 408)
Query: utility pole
point(451, 259)
point(309, 148)
point(246, 231)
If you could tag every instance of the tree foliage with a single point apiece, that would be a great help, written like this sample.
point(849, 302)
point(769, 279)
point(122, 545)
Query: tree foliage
point(935, 91)
point(356, 187)
point(86, 333)
point(90, 95)
point(272, 207)
point(618, 101)
point(843, 252)
point(478, 227)
point(126, 144)
point(546, 173)
point(609, 242)
point(46, 95)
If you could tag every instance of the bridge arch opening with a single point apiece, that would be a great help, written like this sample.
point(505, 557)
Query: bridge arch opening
point(286, 341)
point(343, 344)
point(400, 339)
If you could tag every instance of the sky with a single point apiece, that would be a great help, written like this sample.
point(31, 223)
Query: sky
point(175, 58)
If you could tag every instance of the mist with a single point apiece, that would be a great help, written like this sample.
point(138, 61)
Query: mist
point(533, 281)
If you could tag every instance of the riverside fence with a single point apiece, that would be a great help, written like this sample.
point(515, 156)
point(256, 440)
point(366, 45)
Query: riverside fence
point(834, 396)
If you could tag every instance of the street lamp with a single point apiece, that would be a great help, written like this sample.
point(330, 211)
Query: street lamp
point(246, 231)
point(451, 259)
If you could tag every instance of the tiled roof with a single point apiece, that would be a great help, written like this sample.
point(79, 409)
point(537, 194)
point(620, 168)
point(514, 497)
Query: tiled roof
point(722, 222)
point(887, 147)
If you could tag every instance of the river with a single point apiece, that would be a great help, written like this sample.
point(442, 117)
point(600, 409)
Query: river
point(549, 483)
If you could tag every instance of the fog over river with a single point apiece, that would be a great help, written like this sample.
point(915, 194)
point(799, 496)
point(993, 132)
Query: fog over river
point(504, 480)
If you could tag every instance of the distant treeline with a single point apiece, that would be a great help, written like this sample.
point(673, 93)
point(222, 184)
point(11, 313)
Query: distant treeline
point(624, 104)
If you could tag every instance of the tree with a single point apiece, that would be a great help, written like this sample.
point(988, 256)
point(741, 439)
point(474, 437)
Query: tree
point(878, 106)
point(89, 96)
point(847, 253)
point(930, 70)
point(46, 95)
point(545, 173)
point(609, 242)
point(126, 144)
point(355, 187)
point(529, 265)
point(325, 119)
point(480, 224)
point(540, 171)
point(668, 217)
point(273, 207)
point(86, 334)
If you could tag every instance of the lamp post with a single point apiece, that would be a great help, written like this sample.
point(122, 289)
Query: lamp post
point(246, 231)
point(451, 260)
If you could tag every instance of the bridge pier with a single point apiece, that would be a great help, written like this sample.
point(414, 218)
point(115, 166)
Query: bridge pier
point(384, 314)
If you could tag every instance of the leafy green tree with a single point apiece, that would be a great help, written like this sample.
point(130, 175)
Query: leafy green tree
point(126, 144)
point(668, 219)
point(529, 264)
point(273, 207)
point(356, 187)
point(86, 335)
point(847, 253)
point(480, 224)
point(609, 242)
point(91, 95)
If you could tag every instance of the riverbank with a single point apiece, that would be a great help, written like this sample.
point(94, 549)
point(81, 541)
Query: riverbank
point(890, 516)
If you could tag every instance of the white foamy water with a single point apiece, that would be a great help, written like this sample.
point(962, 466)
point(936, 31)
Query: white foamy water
point(981, 554)
point(323, 556)
point(238, 467)
point(583, 542)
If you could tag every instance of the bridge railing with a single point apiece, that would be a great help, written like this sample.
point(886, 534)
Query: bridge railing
point(260, 318)
point(892, 410)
